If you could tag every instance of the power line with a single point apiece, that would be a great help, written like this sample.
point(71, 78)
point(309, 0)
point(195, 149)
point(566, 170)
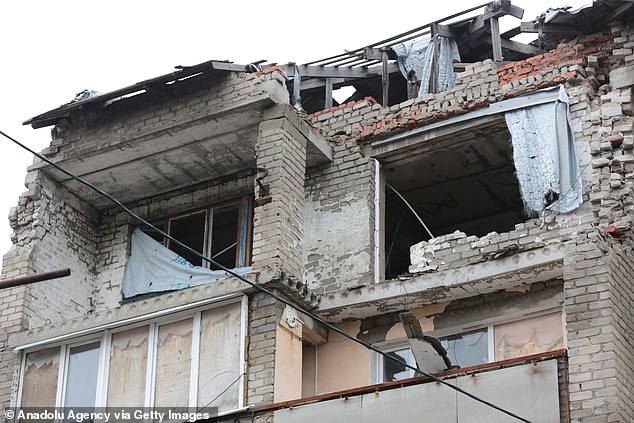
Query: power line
point(256, 286)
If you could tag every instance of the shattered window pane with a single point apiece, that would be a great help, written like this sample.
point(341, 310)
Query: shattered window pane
point(219, 365)
point(468, 349)
point(396, 371)
point(40, 378)
point(128, 364)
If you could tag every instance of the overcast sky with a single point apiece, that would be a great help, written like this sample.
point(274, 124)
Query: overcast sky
point(52, 50)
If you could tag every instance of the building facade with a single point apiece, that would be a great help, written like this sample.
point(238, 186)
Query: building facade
point(355, 213)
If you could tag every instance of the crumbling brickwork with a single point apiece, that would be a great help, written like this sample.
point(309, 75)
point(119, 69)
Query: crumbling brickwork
point(279, 214)
point(315, 228)
point(339, 221)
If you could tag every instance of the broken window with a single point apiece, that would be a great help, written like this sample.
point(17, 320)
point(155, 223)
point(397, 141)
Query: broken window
point(186, 361)
point(468, 185)
point(468, 349)
point(128, 367)
point(221, 232)
point(397, 371)
point(173, 361)
point(514, 339)
point(41, 369)
point(219, 352)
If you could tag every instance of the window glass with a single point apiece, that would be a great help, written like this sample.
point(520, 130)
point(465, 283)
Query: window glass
point(173, 364)
point(128, 364)
point(467, 349)
point(190, 230)
point(224, 235)
point(396, 371)
point(219, 357)
point(40, 378)
point(81, 381)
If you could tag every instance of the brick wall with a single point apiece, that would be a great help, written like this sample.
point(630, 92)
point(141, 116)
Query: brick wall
point(133, 118)
point(113, 242)
point(279, 214)
point(265, 313)
point(339, 221)
point(51, 231)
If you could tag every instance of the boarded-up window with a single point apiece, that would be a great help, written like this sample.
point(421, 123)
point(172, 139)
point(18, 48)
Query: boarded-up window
point(529, 336)
point(173, 364)
point(128, 364)
point(220, 357)
point(40, 378)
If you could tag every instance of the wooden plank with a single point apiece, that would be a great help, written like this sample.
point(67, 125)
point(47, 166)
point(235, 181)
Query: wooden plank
point(328, 98)
point(433, 79)
point(510, 9)
point(327, 71)
point(516, 46)
point(385, 78)
point(370, 53)
point(496, 42)
point(620, 10)
point(445, 31)
point(512, 32)
point(519, 47)
point(531, 27)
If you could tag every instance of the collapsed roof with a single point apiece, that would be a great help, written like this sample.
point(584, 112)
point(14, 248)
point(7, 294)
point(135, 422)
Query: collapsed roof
point(374, 70)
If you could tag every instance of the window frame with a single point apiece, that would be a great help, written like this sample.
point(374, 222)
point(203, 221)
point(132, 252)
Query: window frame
point(104, 338)
point(244, 235)
point(402, 343)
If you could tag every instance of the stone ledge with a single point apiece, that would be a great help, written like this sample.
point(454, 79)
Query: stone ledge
point(96, 322)
point(528, 267)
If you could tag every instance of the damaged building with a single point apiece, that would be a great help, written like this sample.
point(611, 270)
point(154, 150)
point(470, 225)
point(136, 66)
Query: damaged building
point(474, 194)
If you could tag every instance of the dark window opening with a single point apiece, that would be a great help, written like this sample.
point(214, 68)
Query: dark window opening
point(225, 234)
point(222, 232)
point(469, 186)
point(190, 230)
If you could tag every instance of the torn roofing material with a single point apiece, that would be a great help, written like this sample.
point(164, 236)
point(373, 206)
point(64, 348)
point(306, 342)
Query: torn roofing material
point(184, 72)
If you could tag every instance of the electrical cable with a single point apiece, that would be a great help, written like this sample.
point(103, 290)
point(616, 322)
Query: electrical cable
point(199, 409)
point(255, 285)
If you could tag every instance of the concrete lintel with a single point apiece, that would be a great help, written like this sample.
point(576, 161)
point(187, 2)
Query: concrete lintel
point(97, 322)
point(313, 331)
point(527, 267)
point(212, 125)
point(318, 150)
point(412, 144)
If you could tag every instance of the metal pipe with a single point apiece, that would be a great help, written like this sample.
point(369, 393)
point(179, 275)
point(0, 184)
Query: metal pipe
point(40, 277)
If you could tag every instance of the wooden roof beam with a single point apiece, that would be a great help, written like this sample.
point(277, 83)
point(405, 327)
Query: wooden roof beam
point(532, 27)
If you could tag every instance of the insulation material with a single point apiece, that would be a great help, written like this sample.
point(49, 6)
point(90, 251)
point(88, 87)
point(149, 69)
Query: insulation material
point(529, 336)
point(40, 378)
point(128, 364)
point(220, 361)
point(545, 157)
point(152, 267)
point(173, 364)
point(417, 56)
